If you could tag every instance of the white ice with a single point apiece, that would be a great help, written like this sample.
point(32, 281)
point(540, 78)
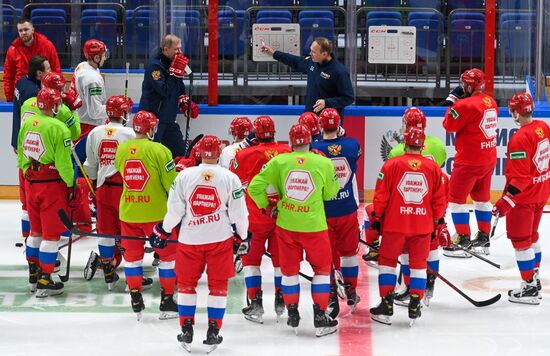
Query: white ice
point(87, 320)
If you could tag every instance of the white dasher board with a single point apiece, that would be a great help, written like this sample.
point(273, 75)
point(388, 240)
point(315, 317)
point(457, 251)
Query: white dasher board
point(392, 44)
point(283, 37)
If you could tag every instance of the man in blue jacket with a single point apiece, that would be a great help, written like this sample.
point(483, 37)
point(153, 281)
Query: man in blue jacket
point(162, 87)
point(328, 81)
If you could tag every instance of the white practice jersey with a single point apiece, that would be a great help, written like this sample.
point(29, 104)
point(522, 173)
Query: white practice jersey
point(90, 86)
point(101, 147)
point(228, 154)
point(206, 199)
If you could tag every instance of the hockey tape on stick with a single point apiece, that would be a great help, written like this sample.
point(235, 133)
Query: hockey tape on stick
point(86, 178)
point(482, 303)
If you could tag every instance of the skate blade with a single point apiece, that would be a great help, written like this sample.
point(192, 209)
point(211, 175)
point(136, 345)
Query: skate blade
point(211, 348)
point(166, 315)
point(324, 331)
point(372, 264)
point(139, 316)
point(456, 254)
point(383, 319)
point(186, 346)
point(43, 293)
point(528, 301)
point(254, 319)
point(295, 330)
point(426, 301)
point(411, 322)
point(401, 303)
point(481, 250)
point(33, 287)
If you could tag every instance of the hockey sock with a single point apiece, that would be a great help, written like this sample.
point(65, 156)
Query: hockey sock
point(252, 280)
point(461, 218)
point(386, 279)
point(106, 248)
point(167, 276)
point(320, 289)
point(406, 269)
point(277, 279)
point(33, 248)
point(25, 224)
point(526, 263)
point(418, 282)
point(291, 289)
point(483, 216)
point(187, 304)
point(48, 255)
point(538, 253)
point(134, 274)
point(217, 300)
point(350, 270)
point(433, 260)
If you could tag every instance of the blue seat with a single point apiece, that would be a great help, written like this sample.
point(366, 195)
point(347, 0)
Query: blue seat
point(184, 13)
point(273, 13)
point(383, 22)
point(429, 4)
point(468, 16)
point(313, 28)
point(189, 30)
point(48, 12)
point(429, 33)
point(231, 36)
point(99, 12)
point(132, 4)
point(53, 27)
point(9, 29)
point(383, 3)
point(142, 32)
point(464, 4)
point(316, 3)
point(376, 14)
point(236, 4)
point(102, 27)
point(467, 38)
point(273, 20)
point(324, 14)
point(517, 4)
point(276, 2)
point(517, 39)
point(517, 16)
point(18, 4)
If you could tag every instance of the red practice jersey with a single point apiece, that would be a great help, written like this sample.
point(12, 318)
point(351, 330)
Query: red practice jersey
point(474, 119)
point(527, 165)
point(410, 194)
point(247, 164)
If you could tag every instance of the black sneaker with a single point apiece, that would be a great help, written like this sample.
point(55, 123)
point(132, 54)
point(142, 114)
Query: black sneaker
point(324, 324)
point(45, 286)
point(255, 310)
point(34, 272)
point(383, 312)
point(111, 277)
point(333, 308)
point(213, 339)
point(137, 303)
point(293, 317)
point(186, 336)
point(279, 304)
point(168, 308)
point(415, 307)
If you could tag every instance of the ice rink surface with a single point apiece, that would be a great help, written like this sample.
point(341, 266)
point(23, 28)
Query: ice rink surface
point(88, 320)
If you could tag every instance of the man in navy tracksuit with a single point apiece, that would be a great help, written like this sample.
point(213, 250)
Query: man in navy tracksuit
point(27, 87)
point(161, 88)
point(328, 81)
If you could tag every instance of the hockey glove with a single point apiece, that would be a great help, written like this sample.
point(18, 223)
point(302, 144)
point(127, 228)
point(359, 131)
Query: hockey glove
point(504, 205)
point(249, 141)
point(375, 223)
point(244, 247)
point(177, 68)
point(72, 100)
point(158, 237)
point(441, 233)
point(183, 103)
point(75, 197)
point(455, 95)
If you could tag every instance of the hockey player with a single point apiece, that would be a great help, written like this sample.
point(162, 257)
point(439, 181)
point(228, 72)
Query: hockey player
point(239, 128)
point(341, 211)
point(206, 200)
point(409, 205)
point(526, 192)
point(101, 147)
point(311, 120)
point(248, 164)
point(474, 119)
point(147, 170)
point(44, 156)
point(302, 180)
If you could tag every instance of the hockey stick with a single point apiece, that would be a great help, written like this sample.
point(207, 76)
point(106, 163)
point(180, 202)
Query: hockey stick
point(74, 230)
point(494, 227)
point(477, 256)
point(126, 81)
point(193, 143)
point(86, 178)
point(301, 274)
point(187, 128)
point(65, 278)
point(482, 303)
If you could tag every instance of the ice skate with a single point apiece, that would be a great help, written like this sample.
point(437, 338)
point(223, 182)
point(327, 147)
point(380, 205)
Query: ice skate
point(91, 266)
point(482, 243)
point(415, 306)
point(279, 305)
point(293, 317)
point(238, 264)
point(186, 336)
point(536, 277)
point(137, 303)
point(255, 310)
point(34, 272)
point(384, 311)
point(372, 257)
point(352, 298)
point(45, 286)
point(146, 283)
point(430, 283)
point(156, 260)
point(402, 298)
point(454, 251)
point(168, 308)
point(213, 339)
point(340, 286)
point(526, 294)
point(324, 324)
point(333, 308)
point(111, 277)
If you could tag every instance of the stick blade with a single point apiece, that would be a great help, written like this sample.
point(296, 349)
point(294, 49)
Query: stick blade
point(485, 303)
point(65, 219)
point(192, 144)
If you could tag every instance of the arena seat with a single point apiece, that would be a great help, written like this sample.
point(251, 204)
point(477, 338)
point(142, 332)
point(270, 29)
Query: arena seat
point(429, 33)
point(273, 20)
point(316, 3)
point(188, 29)
point(37, 12)
point(274, 13)
point(467, 36)
point(429, 4)
point(464, 4)
point(104, 27)
point(140, 31)
point(311, 28)
point(9, 30)
point(325, 14)
point(517, 4)
point(276, 2)
point(517, 39)
point(382, 3)
point(53, 27)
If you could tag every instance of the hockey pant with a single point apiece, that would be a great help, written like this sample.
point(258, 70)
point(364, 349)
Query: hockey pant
point(108, 199)
point(343, 232)
point(432, 261)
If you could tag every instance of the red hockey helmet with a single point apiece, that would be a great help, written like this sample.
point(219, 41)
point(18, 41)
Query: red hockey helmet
point(299, 135)
point(53, 80)
point(48, 99)
point(522, 103)
point(414, 137)
point(330, 119)
point(144, 121)
point(414, 117)
point(311, 120)
point(119, 106)
point(94, 48)
point(264, 127)
point(473, 80)
point(240, 127)
point(210, 147)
